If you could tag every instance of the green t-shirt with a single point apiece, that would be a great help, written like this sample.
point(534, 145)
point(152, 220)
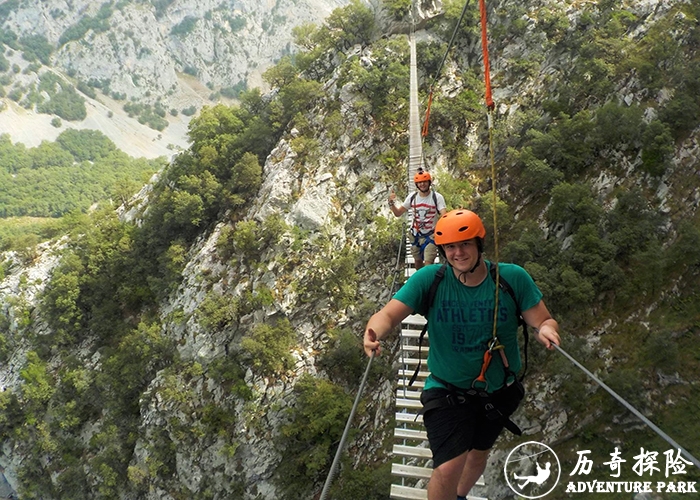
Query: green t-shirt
point(460, 322)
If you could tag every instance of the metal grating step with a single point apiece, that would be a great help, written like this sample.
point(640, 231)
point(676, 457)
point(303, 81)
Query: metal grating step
point(409, 418)
point(401, 433)
point(403, 450)
point(407, 493)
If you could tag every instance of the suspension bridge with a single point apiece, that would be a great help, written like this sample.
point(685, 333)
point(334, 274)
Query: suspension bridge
point(412, 465)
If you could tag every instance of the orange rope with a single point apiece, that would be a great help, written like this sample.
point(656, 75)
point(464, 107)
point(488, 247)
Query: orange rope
point(424, 132)
point(485, 50)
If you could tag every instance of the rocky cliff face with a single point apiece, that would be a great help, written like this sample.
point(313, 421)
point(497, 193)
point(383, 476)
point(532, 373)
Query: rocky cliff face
point(331, 203)
point(143, 51)
point(181, 54)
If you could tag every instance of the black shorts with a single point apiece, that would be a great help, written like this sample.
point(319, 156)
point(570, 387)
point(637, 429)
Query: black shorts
point(453, 430)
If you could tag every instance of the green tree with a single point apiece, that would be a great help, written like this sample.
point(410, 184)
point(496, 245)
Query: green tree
point(658, 148)
point(316, 423)
point(350, 25)
point(86, 144)
point(573, 205)
point(398, 8)
point(632, 224)
point(36, 47)
point(267, 348)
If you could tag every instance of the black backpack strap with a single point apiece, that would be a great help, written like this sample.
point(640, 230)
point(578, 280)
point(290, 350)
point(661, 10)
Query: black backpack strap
point(505, 286)
point(427, 304)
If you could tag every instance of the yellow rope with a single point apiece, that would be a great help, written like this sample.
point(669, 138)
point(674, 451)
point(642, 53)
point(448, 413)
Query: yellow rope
point(495, 226)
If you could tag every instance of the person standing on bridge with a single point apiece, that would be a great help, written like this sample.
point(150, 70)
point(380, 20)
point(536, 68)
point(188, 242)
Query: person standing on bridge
point(461, 426)
point(427, 205)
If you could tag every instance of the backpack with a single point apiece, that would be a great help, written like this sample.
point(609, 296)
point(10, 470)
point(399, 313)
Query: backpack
point(428, 303)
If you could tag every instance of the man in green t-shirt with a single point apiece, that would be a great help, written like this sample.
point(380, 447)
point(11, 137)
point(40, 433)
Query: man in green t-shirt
point(461, 331)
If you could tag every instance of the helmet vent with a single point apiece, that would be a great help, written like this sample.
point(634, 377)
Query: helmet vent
point(463, 228)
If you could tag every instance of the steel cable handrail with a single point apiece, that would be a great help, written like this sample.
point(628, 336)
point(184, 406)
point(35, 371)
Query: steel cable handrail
point(631, 408)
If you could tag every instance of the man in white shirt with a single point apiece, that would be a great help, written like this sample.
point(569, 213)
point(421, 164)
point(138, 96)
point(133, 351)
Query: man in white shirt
point(427, 206)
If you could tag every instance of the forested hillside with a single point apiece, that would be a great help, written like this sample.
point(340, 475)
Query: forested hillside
point(42, 184)
point(208, 345)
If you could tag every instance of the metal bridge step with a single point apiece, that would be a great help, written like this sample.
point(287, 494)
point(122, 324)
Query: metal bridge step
point(413, 471)
point(416, 472)
point(415, 319)
point(402, 450)
point(414, 348)
point(408, 404)
point(407, 493)
point(409, 418)
point(406, 394)
point(403, 382)
point(409, 374)
point(408, 333)
point(412, 362)
point(410, 434)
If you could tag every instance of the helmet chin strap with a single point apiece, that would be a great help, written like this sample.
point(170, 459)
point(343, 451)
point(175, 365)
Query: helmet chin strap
point(478, 262)
point(464, 273)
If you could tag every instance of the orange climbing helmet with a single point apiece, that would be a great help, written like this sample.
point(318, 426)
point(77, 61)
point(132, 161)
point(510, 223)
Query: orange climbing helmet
point(421, 176)
point(458, 225)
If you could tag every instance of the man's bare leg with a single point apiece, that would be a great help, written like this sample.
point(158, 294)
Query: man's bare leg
point(444, 480)
point(474, 467)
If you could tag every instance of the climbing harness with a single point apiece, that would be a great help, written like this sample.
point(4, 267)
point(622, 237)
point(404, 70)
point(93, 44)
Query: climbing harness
point(415, 231)
point(481, 399)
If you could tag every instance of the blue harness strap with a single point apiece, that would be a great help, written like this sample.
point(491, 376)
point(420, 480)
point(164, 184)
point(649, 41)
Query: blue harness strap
point(424, 245)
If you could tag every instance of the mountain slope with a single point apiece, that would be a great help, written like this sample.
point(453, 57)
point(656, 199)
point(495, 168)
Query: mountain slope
point(208, 344)
point(175, 54)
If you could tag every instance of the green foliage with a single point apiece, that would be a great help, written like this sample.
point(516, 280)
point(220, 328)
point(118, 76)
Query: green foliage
point(132, 363)
point(11, 413)
point(236, 23)
point(398, 8)
point(185, 27)
point(36, 47)
point(537, 176)
point(230, 373)
point(457, 192)
point(429, 56)
point(344, 360)
point(64, 100)
point(573, 204)
point(619, 126)
point(161, 6)
point(470, 22)
point(632, 224)
point(384, 84)
point(153, 116)
point(567, 146)
point(190, 111)
point(306, 442)
point(37, 387)
point(91, 145)
point(658, 148)
point(46, 181)
point(267, 348)
point(98, 24)
point(350, 25)
point(369, 482)
point(681, 114)
point(6, 8)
